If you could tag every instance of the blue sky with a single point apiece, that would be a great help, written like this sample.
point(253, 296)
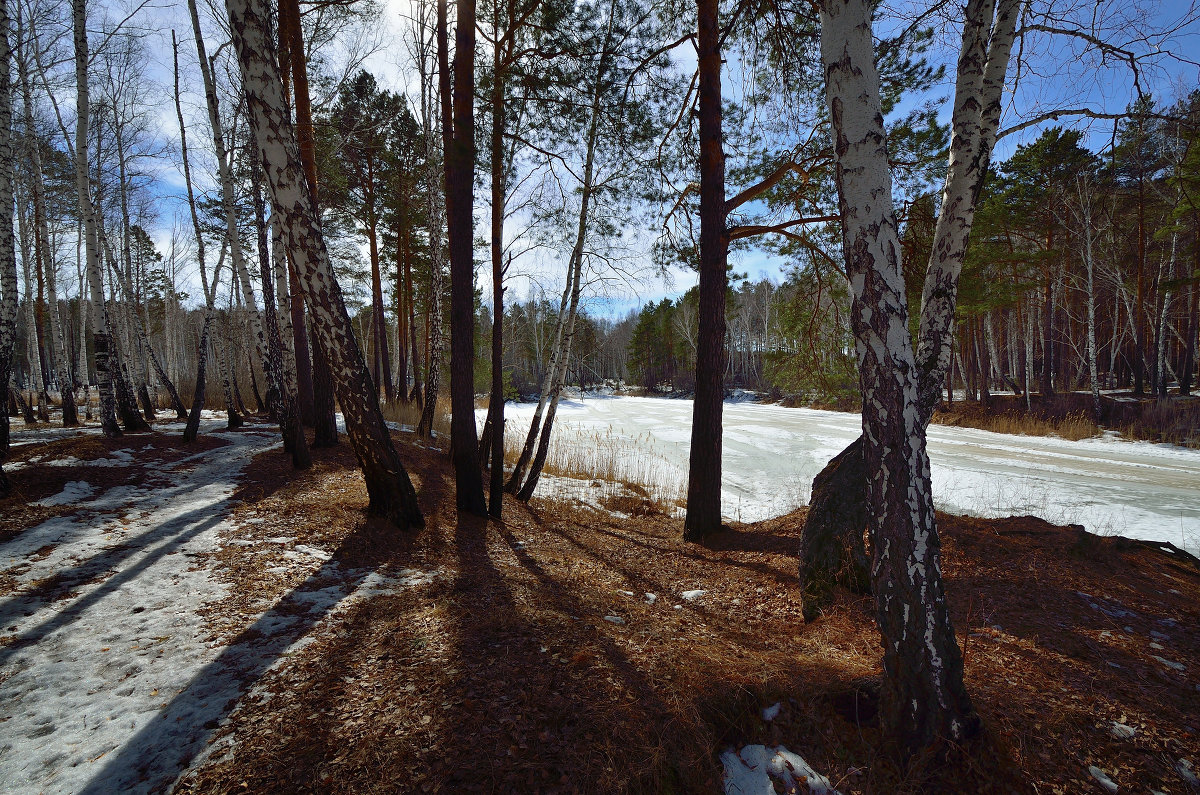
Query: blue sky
point(1055, 73)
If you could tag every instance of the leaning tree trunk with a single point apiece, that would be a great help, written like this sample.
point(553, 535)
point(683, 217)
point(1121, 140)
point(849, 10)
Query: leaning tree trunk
point(924, 700)
point(538, 437)
point(8, 251)
point(99, 319)
point(983, 61)
point(704, 466)
point(557, 379)
point(390, 491)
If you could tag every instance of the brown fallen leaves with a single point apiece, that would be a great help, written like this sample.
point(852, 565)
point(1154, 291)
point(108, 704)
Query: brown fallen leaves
point(502, 674)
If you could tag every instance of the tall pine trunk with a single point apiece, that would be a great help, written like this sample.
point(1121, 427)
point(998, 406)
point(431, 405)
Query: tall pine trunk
point(499, 191)
point(704, 465)
point(460, 170)
point(313, 357)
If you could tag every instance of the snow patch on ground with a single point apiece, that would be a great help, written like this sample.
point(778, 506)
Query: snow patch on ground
point(751, 771)
point(109, 677)
point(74, 491)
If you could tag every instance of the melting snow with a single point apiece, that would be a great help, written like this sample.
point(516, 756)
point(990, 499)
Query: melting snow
point(111, 680)
point(750, 772)
point(1102, 779)
point(73, 492)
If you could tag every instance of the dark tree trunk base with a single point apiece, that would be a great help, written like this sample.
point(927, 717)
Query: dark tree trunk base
point(70, 413)
point(832, 550)
point(147, 404)
point(325, 432)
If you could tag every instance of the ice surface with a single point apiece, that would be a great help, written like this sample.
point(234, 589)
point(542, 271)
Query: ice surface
point(770, 455)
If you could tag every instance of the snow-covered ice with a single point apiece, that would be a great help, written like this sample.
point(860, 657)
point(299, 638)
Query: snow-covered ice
point(770, 455)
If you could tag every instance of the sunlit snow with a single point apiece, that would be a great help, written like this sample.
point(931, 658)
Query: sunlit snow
point(771, 454)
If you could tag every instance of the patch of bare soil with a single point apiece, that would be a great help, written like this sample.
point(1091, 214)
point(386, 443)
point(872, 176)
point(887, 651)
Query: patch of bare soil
point(568, 650)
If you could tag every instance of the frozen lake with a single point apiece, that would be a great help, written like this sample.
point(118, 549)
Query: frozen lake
point(771, 455)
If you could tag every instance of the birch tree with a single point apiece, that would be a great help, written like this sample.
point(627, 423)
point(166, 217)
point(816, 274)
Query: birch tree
point(8, 253)
point(44, 254)
point(987, 40)
point(101, 339)
point(391, 492)
point(210, 291)
point(425, 53)
point(924, 699)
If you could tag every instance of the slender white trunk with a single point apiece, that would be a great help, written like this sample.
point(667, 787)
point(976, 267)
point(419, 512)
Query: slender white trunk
point(225, 173)
point(988, 35)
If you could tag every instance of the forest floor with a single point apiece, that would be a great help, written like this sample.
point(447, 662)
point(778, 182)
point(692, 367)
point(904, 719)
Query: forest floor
point(574, 648)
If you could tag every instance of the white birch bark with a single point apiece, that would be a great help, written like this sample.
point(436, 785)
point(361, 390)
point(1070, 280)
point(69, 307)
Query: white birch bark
point(98, 311)
point(58, 352)
point(988, 35)
point(391, 492)
point(923, 698)
point(225, 174)
point(283, 308)
point(8, 253)
point(564, 327)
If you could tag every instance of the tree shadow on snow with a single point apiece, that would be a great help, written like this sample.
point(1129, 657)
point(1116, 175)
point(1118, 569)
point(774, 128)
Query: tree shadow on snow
point(153, 758)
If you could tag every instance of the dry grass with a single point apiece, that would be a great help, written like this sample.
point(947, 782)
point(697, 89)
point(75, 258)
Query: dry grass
point(1073, 427)
point(408, 414)
point(506, 675)
point(589, 454)
point(1176, 422)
